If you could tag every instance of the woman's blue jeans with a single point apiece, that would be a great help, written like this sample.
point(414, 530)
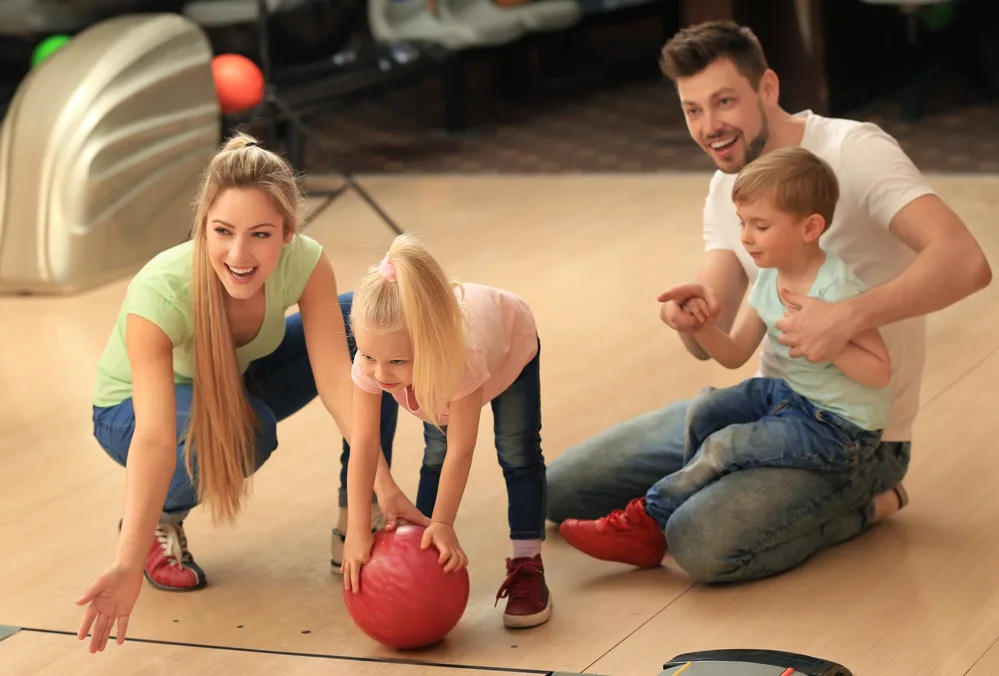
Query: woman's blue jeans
point(277, 385)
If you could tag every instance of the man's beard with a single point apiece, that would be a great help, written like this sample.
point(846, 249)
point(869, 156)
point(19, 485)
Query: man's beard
point(755, 147)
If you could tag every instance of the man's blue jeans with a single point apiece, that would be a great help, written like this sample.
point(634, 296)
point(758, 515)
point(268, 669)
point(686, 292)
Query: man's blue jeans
point(278, 385)
point(761, 422)
point(517, 428)
point(749, 524)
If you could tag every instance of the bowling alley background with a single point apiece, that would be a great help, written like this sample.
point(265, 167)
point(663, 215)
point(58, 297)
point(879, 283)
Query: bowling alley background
point(597, 83)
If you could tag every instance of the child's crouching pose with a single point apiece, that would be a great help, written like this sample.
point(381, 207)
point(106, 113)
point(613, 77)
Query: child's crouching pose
point(444, 350)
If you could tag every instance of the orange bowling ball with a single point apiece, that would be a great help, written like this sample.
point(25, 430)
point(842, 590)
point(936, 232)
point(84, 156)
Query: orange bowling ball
point(239, 83)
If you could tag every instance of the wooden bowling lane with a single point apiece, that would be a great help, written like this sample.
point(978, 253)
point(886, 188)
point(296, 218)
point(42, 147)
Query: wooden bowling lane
point(41, 654)
point(589, 253)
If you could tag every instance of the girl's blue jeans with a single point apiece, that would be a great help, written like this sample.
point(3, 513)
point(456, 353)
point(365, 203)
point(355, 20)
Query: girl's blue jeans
point(517, 430)
point(277, 386)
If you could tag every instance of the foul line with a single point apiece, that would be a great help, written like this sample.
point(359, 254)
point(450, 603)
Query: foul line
point(320, 656)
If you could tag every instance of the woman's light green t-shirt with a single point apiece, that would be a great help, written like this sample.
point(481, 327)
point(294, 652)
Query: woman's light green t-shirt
point(161, 293)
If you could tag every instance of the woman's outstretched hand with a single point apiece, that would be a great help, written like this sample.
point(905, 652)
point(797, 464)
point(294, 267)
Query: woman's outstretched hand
point(110, 598)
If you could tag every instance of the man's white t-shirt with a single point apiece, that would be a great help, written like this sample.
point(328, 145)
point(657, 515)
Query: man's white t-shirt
point(876, 179)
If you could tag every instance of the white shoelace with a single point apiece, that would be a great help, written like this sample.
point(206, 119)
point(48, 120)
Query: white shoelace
point(173, 542)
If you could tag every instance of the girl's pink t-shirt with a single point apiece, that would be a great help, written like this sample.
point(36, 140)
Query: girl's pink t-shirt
point(503, 336)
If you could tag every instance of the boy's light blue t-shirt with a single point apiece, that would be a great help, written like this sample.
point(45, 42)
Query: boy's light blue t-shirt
point(824, 384)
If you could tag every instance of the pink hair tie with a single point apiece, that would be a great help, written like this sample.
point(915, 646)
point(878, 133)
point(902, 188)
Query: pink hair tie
point(387, 269)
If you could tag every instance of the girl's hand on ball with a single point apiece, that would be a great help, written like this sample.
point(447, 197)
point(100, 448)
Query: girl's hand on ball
point(356, 553)
point(396, 506)
point(443, 537)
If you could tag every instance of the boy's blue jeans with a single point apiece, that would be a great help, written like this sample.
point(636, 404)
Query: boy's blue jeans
point(517, 429)
point(761, 422)
point(278, 385)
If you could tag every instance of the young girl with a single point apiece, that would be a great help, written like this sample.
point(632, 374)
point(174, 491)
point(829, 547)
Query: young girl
point(444, 351)
point(201, 365)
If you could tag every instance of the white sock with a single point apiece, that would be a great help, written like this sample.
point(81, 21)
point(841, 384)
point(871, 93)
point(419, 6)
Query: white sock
point(526, 549)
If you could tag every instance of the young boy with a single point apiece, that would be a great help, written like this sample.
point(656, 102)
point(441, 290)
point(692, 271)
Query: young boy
point(817, 416)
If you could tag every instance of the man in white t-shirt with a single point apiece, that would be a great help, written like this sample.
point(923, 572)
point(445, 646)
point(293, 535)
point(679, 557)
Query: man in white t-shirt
point(889, 227)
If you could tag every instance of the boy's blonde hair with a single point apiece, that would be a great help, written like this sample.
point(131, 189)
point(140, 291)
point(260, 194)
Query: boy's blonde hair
point(795, 179)
point(221, 422)
point(410, 292)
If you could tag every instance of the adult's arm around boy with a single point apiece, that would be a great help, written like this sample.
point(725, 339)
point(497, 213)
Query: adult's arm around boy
point(949, 264)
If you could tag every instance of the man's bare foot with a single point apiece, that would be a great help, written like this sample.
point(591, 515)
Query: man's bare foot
point(889, 502)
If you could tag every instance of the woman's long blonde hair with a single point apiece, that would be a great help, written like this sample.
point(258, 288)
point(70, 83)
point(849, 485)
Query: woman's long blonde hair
point(222, 423)
point(410, 292)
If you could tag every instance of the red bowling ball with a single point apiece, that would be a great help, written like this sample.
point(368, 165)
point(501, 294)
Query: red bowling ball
point(406, 600)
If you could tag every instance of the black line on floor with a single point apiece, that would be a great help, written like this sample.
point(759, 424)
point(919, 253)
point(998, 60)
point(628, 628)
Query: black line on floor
point(321, 656)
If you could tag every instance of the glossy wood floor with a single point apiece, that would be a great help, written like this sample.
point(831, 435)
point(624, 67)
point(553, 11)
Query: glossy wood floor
point(917, 595)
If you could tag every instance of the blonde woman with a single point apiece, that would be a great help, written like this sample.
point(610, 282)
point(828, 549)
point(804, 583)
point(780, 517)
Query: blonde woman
point(201, 365)
point(444, 351)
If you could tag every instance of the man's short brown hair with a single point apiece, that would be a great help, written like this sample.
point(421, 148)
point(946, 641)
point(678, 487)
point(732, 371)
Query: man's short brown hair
point(696, 47)
point(796, 180)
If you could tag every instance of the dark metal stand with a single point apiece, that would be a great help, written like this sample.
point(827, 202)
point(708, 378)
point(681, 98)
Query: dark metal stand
point(274, 107)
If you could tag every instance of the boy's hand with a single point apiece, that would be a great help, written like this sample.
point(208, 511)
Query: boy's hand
point(687, 308)
point(443, 537)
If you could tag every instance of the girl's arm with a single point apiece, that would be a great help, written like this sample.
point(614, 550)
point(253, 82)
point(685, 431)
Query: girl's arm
point(365, 459)
point(152, 454)
point(735, 350)
point(865, 359)
point(462, 433)
point(326, 341)
point(362, 476)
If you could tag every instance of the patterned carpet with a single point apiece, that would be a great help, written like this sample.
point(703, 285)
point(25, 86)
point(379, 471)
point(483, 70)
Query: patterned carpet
point(605, 108)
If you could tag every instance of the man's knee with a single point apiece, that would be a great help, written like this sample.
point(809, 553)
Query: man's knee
point(705, 551)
